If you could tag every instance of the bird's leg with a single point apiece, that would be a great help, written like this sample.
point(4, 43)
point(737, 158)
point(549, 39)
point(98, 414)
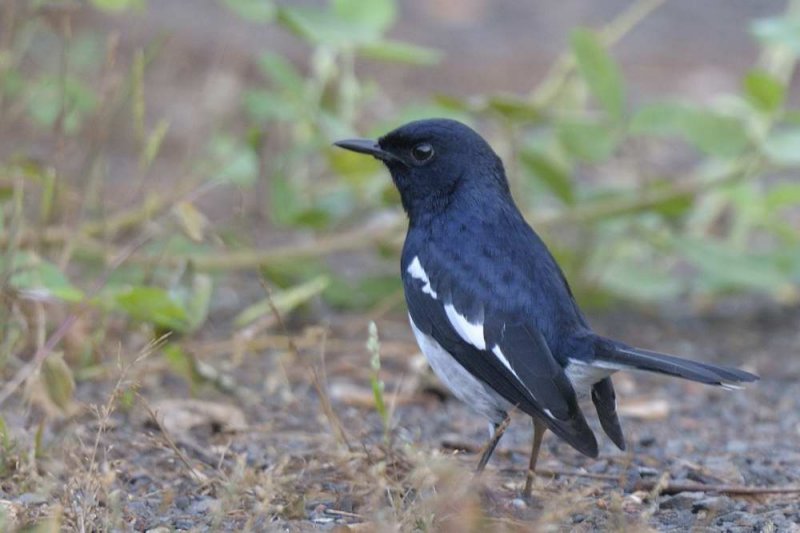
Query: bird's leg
point(499, 429)
point(538, 432)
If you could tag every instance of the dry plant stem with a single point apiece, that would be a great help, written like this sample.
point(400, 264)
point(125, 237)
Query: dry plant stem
point(538, 433)
point(291, 344)
point(171, 443)
point(321, 386)
point(84, 235)
point(320, 382)
point(499, 430)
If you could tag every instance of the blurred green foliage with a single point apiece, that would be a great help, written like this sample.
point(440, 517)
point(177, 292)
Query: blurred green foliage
point(575, 146)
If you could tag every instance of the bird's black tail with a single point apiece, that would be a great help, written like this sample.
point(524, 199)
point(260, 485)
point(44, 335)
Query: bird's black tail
point(619, 356)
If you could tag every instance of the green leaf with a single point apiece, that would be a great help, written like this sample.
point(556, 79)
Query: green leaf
point(191, 220)
point(314, 217)
point(45, 101)
point(376, 15)
point(252, 10)
point(5, 439)
point(662, 118)
point(193, 294)
point(513, 107)
point(153, 305)
point(355, 168)
point(118, 5)
point(267, 106)
point(38, 278)
point(673, 206)
point(783, 195)
point(631, 280)
point(715, 134)
point(322, 27)
point(285, 301)
point(552, 174)
point(397, 52)
point(200, 301)
point(58, 381)
point(779, 31)
point(711, 132)
point(587, 140)
point(280, 71)
point(599, 71)
point(285, 202)
point(764, 91)
point(237, 162)
point(12, 83)
point(180, 362)
point(152, 145)
point(365, 293)
point(724, 267)
point(783, 147)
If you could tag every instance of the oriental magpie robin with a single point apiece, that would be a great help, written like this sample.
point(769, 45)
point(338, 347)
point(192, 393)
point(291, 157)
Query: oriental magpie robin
point(489, 305)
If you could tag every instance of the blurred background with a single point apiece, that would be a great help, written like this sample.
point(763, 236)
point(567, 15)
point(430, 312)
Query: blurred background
point(167, 165)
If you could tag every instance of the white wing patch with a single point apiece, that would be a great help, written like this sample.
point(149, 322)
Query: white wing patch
point(500, 355)
point(503, 359)
point(417, 272)
point(472, 333)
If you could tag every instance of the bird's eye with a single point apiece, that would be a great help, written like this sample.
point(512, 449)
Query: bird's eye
point(422, 152)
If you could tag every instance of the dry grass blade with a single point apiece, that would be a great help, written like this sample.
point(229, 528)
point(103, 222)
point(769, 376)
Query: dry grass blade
point(320, 382)
point(198, 476)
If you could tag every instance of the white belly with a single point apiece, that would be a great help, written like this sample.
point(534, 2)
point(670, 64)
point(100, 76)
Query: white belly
point(464, 386)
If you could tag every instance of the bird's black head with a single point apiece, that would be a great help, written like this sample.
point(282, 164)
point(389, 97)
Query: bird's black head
point(430, 160)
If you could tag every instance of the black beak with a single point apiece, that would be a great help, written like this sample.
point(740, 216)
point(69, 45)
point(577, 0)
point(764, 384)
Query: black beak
point(366, 146)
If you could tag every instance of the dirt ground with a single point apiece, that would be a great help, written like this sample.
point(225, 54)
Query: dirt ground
point(269, 454)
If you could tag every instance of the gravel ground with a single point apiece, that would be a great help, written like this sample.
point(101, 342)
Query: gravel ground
point(265, 456)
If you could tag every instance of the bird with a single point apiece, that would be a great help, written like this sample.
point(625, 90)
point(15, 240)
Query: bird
point(489, 305)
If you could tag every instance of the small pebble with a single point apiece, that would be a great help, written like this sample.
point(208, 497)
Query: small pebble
point(647, 441)
point(182, 502)
point(31, 498)
point(183, 524)
point(518, 503)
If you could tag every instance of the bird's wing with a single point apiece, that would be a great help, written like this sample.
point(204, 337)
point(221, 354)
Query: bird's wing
point(497, 347)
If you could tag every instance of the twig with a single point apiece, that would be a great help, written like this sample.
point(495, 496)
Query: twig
point(674, 487)
point(182, 456)
point(663, 485)
point(345, 514)
point(320, 383)
point(321, 386)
